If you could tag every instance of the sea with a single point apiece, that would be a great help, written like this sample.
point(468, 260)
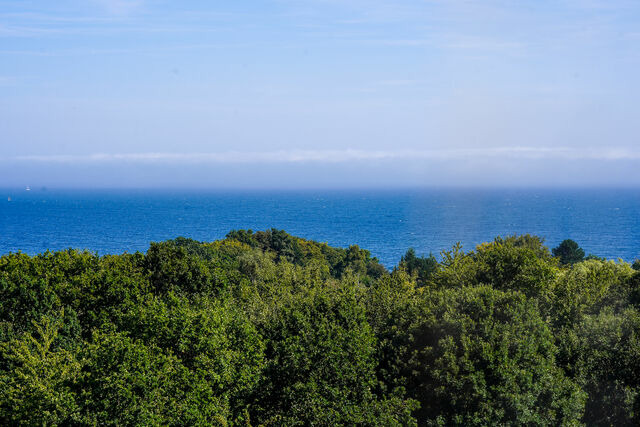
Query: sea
point(604, 222)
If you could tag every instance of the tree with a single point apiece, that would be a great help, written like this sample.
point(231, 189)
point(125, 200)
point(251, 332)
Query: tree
point(422, 267)
point(172, 268)
point(213, 340)
point(125, 382)
point(266, 328)
point(321, 363)
point(36, 387)
point(606, 351)
point(588, 287)
point(485, 357)
point(518, 263)
point(568, 252)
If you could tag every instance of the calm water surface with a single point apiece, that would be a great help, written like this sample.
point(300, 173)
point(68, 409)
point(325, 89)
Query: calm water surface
point(604, 222)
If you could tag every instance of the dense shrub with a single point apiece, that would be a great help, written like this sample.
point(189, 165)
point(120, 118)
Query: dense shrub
point(264, 328)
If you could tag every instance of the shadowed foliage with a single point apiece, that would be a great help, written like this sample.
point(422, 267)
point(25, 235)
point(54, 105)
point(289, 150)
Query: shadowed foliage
point(568, 252)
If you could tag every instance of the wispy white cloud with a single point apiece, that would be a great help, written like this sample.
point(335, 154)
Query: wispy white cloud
point(120, 7)
point(35, 31)
point(477, 43)
point(133, 50)
point(43, 17)
point(8, 80)
point(397, 82)
point(401, 42)
point(342, 156)
point(27, 31)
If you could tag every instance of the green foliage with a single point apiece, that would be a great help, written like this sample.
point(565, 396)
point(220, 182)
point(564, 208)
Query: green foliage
point(212, 339)
point(394, 310)
point(321, 365)
point(568, 252)
point(588, 287)
point(422, 267)
point(36, 383)
point(516, 263)
point(483, 356)
point(606, 351)
point(265, 328)
point(172, 268)
point(126, 382)
point(285, 247)
point(633, 285)
point(519, 263)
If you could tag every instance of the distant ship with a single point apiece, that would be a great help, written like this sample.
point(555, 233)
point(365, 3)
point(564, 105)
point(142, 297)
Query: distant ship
point(27, 189)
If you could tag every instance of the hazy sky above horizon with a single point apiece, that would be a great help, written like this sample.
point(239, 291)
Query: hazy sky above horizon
point(324, 93)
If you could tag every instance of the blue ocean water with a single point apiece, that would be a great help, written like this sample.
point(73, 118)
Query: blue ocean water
point(604, 222)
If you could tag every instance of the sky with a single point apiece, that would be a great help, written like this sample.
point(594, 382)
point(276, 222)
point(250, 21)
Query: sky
point(319, 93)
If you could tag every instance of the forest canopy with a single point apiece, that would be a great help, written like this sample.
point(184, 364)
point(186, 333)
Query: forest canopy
point(264, 328)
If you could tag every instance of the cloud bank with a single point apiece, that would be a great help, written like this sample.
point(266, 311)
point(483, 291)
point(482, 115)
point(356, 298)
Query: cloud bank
point(342, 156)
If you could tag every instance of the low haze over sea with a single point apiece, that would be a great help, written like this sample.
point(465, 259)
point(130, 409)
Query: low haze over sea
point(604, 222)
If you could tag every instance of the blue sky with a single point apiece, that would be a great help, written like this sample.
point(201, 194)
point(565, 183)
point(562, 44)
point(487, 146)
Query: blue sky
point(326, 93)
